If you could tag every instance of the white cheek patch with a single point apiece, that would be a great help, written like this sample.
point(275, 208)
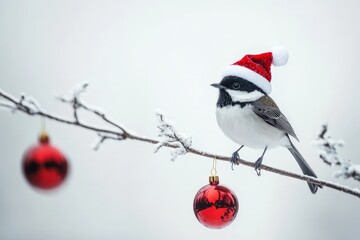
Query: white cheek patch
point(242, 96)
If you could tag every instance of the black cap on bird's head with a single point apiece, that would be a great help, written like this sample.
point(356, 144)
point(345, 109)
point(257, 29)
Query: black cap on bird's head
point(235, 90)
point(236, 84)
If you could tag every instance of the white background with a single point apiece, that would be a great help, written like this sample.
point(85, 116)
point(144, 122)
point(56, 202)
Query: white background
point(139, 56)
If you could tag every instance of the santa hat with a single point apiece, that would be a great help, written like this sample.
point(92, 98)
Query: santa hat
point(257, 68)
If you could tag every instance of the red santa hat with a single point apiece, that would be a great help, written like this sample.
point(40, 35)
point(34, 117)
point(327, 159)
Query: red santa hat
point(256, 68)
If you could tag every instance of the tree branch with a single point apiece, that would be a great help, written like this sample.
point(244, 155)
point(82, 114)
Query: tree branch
point(170, 138)
point(328, 152)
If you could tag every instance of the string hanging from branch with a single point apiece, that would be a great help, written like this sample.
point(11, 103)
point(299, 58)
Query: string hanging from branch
point(170, 138)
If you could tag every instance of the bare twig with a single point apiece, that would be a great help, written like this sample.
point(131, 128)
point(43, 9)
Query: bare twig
point(170, 138)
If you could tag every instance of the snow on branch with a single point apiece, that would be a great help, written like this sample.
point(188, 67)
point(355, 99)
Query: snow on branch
point(30, 105)
point(169, 135)
point(75, 100)
point(101, 137)
point(327, 148)
point(25, 103)
point(7, 106)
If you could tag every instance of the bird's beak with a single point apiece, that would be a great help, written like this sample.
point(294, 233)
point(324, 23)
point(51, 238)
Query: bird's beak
point(216, 85)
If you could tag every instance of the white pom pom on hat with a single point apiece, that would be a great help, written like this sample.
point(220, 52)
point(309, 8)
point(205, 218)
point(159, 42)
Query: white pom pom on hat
point(280, 56)
point(256, 68)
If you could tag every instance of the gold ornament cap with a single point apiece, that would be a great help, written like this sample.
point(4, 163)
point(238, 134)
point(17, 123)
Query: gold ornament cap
point(213, 180)
point(44, 137)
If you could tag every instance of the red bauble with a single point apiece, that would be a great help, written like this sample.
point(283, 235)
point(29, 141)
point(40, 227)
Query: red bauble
point(215, 205)
point(44, 166)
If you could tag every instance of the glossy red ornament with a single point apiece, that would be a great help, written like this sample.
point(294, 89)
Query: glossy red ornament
point(44, 166)
point(215, 205)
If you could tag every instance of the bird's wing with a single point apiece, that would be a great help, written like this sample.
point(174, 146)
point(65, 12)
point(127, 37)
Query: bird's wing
point(267, 109)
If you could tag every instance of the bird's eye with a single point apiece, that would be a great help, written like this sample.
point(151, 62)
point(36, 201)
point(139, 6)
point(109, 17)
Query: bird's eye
point(236, 85)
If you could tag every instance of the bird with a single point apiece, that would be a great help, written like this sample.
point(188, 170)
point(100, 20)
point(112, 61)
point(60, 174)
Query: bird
point(249, 116)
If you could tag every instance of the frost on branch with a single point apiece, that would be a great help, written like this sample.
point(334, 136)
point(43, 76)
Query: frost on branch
point(31, 103)
point(25, 103)
point(101, 137)
point(74, 98)
point(328, 151)
point(170, 137)
point(75, 93)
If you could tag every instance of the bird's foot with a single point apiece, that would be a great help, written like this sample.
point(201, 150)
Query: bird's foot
point(234, 159)
point(257, 165)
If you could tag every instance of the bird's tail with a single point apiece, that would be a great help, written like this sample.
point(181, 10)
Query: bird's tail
point(306, 169)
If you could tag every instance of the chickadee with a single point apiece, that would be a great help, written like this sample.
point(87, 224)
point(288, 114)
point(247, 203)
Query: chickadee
point(248, 116)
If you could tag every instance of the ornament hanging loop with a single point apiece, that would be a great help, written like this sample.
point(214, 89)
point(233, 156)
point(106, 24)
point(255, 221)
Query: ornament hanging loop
point(43, 124)
point(213, 171)
point(213, 178)
point(44, 137)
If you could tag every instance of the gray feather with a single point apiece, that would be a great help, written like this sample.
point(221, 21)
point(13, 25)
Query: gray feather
point(305, 168)
point(266, 109)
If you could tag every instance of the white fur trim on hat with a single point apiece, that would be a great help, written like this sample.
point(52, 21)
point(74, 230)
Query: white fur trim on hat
point(280, 56)
point(249, 75)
